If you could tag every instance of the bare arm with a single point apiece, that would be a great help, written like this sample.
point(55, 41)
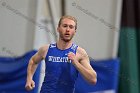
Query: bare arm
point(33, 63)
point(83, 66)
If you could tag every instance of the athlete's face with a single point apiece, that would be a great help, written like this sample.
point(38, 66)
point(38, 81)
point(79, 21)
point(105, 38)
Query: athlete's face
point(66, 29)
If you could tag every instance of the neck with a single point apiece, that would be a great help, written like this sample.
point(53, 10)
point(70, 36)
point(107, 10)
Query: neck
point(63, 45)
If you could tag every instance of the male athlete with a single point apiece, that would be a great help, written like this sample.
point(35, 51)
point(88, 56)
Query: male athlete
point(63, 60)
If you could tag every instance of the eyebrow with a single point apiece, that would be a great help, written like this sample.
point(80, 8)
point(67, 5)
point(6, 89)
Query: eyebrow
point(68, 24)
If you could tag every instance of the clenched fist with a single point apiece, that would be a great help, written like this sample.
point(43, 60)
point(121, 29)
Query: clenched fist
point(30, 84)
point(72, 57)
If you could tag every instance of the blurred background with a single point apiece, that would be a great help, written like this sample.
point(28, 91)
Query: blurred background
point(109, 30)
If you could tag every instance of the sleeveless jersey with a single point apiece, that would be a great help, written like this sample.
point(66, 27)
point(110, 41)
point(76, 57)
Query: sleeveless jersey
point(60, 74)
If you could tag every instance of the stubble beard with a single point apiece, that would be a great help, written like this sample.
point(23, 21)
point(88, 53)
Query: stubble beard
point(62, 37)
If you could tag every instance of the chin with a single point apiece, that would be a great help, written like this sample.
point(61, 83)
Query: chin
point(67, 40)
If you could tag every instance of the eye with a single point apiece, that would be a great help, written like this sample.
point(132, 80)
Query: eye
point(71, 26)
point(64, 25)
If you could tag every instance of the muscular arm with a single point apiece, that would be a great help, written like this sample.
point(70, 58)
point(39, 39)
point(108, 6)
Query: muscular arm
point(83, 66)
point(33, 63)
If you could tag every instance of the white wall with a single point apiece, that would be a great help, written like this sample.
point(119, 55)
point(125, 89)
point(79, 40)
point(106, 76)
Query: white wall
point(95, 20)
point(17, 26)
point(98, 23)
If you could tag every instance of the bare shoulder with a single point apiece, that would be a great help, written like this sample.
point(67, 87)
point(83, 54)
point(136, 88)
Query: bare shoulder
point(81, 53)
point(43, 50)
point(81, 50)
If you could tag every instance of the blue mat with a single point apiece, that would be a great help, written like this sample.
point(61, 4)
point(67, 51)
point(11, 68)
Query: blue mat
point(13, 72)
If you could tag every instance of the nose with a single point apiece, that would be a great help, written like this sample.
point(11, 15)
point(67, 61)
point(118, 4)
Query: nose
point(67, 29)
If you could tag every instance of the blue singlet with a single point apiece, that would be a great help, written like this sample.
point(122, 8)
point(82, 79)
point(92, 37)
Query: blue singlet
point(60, 74)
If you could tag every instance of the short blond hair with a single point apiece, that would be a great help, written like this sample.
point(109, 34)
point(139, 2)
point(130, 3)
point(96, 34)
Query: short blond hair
point(69, 17)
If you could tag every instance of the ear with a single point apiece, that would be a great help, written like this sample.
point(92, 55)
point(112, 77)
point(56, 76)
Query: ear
point(57, 29)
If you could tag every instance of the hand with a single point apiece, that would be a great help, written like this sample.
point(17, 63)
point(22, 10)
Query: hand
point(30, 84)
point(72, 57)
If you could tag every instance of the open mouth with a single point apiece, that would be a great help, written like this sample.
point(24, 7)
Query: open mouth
point(67, 34)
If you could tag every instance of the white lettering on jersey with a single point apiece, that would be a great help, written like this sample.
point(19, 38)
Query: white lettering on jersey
point(58, 59)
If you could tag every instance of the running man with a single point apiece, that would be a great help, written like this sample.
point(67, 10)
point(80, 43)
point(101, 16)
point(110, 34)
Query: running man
point(63, 59)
